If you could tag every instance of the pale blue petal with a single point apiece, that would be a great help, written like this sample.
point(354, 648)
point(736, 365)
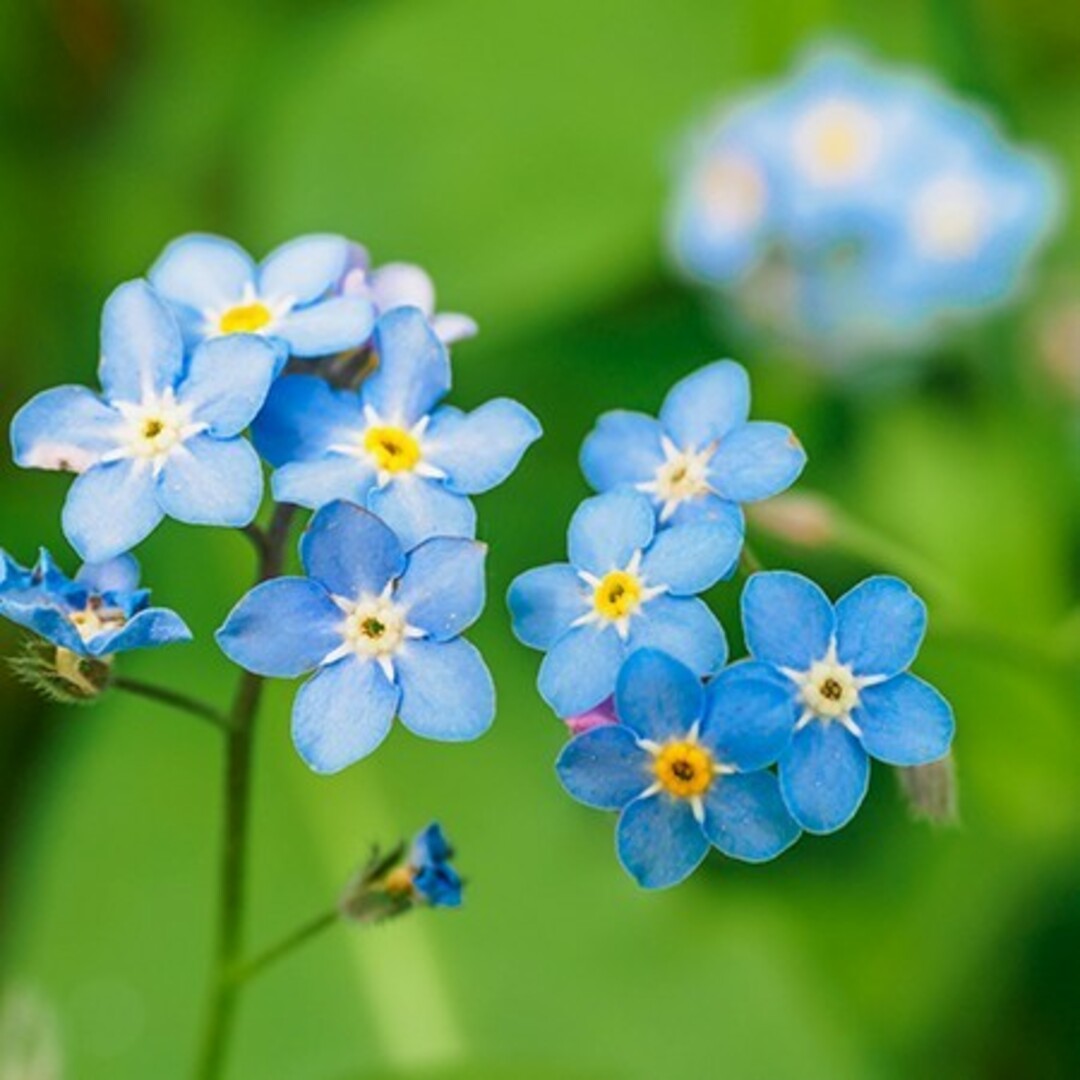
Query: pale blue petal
point(544, 602)
point(323, 480)
point(66, 428)
point(579, 671)
point(479, 450)
point(710, 508)
point(417, 509)
point(446, 690)
point(115, 575)
point(330, 326)
point(824, 776)
point(227, 381)
point(879, 626)
point(342, 713)
point(413, 372)
point(303, 417)
point(395, 285)
point(755, 461)
point(203, 272)
point(706, 405)
point(904, 721)
point(623, 448)
point(659, 841)
point(606, 530)
point(351, 551)
point(451, 326)
point(111, 508)
point(304, 269)
point(746, 819)
point(691, 558)
point(442, 588)
point(604, 768)
point(787, 620)
point(685, 628)
point(210, 481)
point(147, 629)
point(658, 697)
point(141, 349)
point(282, 627)
point(750, 716)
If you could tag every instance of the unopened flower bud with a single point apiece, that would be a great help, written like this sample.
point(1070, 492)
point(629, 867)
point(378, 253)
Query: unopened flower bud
point(602, 714)
point(806, 520)
point(930, 791)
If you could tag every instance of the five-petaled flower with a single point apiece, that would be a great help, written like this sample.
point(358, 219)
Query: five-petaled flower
point(702, 457)
point(846, 671)
point(687, 766)
point(627, 586)
point(164, 438)
point(387, 446)
point(216, 289)
point(101, 612)
point(380, 629)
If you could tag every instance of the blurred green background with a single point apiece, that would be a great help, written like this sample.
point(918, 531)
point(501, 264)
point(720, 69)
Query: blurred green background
point(522, 152)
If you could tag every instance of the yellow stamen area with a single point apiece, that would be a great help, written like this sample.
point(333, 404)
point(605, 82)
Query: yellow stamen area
point(838, 145)
point(393, 449)
point(399, 882)
point(617, 595)
point(684, 769)
point(245, 318)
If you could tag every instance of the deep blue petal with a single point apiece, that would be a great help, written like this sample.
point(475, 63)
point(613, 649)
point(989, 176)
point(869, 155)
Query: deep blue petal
point(351, 551)
point(111, 508)
point(685, 628)
point(148, 629)
point(750, 715)
point(210, 481)
point(579, 671)
point(45, 620)
point(755, 461)
point(657, 697)
point(604, 767)
point(608, 529)
point(417, 509)
point(227, 381)
point(787, 619)
point(141, 349)
point(824, 776)
point(659, 841)
point(413, 373)
point(904, 721)
point(545, 601)
point(446, 690)
point(443, 588)
point(623, 448)
point(879, 626)
point(66, 428)
point(689, 559)
point(706, 405)
point(330, 326)
point(745, 817)
point(304, 417)
point(305, 268)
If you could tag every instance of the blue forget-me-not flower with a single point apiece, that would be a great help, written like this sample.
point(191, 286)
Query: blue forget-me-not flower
point(430, 871)
point(846, 668)
point(163, 437)
point(687, 766)
point(380, 629)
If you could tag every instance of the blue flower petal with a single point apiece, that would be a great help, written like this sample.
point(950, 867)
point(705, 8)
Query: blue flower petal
point(604, 768)
point(685, 628)
point(227, 382)
point(416, 509)
point(341, 322)
point(442, 588)
point(750, 716)
point(111, 508)
point(706, 405)
point(211, 481)
point(608, 529)
point(203, 272)
point(904, 721)
point(824, 776)
point(323, 480)
point(148, 629)
point(141, 348)
point(66, 428)
point(745, 817)
point(755, 461)
point(304, 417)
point(351, 551)
point(544, 602)
point(659, 841)
point(689, 559)
point(342, 713)
point(657, 697)
point(115, 575)
point(446, 690)
point(787, 620)
point(579, 671)
point(879, 626)
point(283, 627)
point(623, 448)
point(44, 620)
point(305, 268)
point(413, 372)
point(709, 508)
point(479, 450)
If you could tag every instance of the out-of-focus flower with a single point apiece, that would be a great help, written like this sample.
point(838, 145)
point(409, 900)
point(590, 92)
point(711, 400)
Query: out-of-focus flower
point(30, 1044)
point(846, 668)
point(626, 587)
point(290, 298)
point(380, 629)
point(1058, 345)
point(803, 519)
point(702, 457)
point(687, 766)
point(164, 437)
point(390, 446)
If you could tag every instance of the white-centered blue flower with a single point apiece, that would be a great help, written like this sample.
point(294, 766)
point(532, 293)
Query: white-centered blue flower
point(626, 587)
point(390, 446)
point(164, 436)
point(290, 298)
point(381, 630)
point(846, 667)
point(702, 457)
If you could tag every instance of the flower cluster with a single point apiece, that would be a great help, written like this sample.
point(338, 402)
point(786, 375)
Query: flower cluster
point(850, 206)
point(680, 744)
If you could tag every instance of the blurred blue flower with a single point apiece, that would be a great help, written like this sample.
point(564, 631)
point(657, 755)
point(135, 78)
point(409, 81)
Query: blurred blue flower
point(380, 629)
point(388, 446)
point(290, 298)
point(702, 457)
point(164, 438)
point(433, 877)
point(627, 587)
point(687, 766)
point(846, 668)
point(101, 612)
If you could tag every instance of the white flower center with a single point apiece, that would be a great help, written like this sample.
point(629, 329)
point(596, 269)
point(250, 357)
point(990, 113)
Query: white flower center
point(837, 141)
point(732, 192)
point(374, 628)
point(683, 475)
point(95, 619)
point(949, 218)
point(829, 690)
point(152, 429)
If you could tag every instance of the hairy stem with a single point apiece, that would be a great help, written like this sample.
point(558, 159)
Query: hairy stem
point(173, 698)
point(247, 970)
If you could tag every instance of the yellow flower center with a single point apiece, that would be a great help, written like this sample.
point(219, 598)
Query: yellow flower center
point(393, 449)
point(838, 146)
point(399, 882)
point(245, 318)
point(617, 595)
point(684, 769)
point(95, 619)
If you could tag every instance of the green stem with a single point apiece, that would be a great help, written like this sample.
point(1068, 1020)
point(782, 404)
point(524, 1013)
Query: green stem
point(173, 698)
point(749, 563)
point(246, 971)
